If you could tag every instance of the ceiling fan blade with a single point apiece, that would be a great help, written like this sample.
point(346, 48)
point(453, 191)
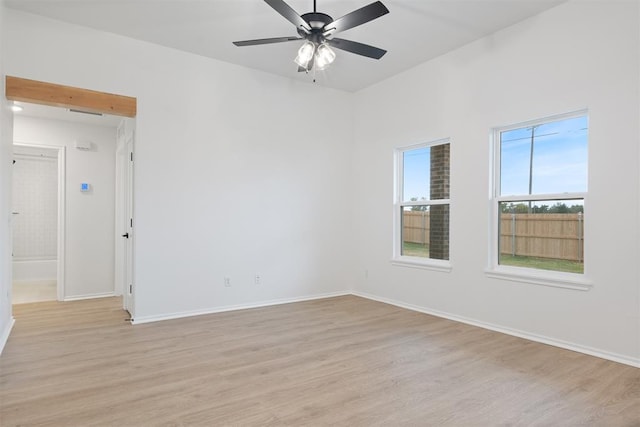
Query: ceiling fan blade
point(266, 41)
point(289, 14)
point(355, 18)
point(357, 48)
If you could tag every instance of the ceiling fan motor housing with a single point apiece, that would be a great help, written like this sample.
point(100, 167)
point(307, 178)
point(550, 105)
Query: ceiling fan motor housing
point(319, 29)
point(317, 21)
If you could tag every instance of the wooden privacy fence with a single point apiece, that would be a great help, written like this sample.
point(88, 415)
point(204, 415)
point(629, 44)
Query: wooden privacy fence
point(557, 236)
point(415, 227)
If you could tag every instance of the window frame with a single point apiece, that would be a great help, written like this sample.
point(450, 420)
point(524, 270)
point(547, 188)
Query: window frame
point(398, 204)
point(535, 276)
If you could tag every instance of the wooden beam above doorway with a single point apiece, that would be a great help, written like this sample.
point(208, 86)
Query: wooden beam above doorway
point(36, 92)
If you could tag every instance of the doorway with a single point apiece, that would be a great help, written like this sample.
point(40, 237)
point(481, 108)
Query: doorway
point(38, 219)
point(92, 102)
point(87, 244)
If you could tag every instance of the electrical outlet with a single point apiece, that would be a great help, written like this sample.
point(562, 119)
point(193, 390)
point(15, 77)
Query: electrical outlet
point(257, 280)
point(227, 281)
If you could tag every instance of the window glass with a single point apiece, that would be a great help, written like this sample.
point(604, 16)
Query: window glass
point(423, 202)
point(542, 234)
point(415, 182)
point(546, 158)
point(540, 194)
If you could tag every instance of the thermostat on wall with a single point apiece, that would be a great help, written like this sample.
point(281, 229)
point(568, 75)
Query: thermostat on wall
point(85, 187)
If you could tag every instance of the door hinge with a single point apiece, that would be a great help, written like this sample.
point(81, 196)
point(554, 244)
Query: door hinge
point(130, 289)
point(131, 222)
point(131, 156)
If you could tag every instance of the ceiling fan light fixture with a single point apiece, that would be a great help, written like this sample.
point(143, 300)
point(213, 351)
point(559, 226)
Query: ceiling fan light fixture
point(318, 29)
point(305, 53)
point(324, 56)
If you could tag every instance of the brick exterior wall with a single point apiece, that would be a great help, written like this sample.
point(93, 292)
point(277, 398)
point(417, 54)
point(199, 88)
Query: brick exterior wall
point(439, 216)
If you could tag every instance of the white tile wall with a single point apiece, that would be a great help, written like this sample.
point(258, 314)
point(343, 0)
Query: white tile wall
point(35, 198)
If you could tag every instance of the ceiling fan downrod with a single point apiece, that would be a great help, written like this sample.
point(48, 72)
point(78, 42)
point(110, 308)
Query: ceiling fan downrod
point(317, 31)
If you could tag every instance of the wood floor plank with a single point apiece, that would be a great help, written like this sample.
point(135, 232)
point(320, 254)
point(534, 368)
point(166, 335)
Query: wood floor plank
point(338, 361)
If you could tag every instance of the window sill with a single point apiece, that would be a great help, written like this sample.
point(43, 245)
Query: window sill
point(422, 263)
point(540, 277)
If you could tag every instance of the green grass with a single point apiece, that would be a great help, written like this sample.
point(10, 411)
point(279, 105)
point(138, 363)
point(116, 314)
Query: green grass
point(542, 263)
point(415, 249)
point(420, 250)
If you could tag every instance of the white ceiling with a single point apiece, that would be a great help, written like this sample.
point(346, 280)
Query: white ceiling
point(413, 32)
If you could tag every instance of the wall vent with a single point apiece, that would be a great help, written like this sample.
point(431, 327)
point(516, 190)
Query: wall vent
point(72, 110)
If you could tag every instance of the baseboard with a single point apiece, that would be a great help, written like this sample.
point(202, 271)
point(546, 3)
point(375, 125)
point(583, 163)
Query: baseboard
point(89, 296)
point(635, 362)
point(178, 315)
point(5, 334)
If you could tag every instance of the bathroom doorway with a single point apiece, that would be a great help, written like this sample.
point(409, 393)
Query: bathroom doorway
point(38, 221)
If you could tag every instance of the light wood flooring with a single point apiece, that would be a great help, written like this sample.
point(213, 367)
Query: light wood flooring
point(343, 361)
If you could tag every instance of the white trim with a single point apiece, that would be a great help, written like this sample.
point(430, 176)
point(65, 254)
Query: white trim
point(548, 119)
point(431, 143)
point(89, 296)
point(631, 361)
point(213, 310)
point(541, 197)
point(619, 358)
point(534, 276)
point(422, 263)
point(527, 275)
point(5, 334)
point(62, 215)
point(425, 202)
point(119, 212)
point(399, 203)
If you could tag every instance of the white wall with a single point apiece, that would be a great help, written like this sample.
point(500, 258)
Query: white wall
point(237, 171)
point(90, 232)
point(578, 55)
point(231, 181)
point(6, 157)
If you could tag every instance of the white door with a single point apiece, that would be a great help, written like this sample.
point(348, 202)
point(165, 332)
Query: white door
point(124, 215)
point(128, 293)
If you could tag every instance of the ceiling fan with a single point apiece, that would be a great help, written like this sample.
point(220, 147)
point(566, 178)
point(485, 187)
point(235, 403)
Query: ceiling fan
point(317, 30)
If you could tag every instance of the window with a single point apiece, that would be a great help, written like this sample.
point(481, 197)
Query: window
point(422, 205)
point(540, 185)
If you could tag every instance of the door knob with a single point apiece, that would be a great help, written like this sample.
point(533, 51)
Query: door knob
point(126, 235)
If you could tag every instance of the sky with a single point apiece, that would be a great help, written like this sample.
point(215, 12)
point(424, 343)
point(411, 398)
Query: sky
point(559, 158)
point(559, 161)
point(416, 173)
